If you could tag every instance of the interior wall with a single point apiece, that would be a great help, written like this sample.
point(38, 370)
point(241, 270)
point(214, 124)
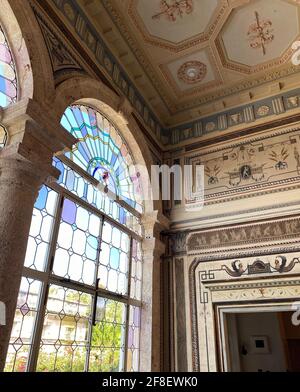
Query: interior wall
point(260, 324)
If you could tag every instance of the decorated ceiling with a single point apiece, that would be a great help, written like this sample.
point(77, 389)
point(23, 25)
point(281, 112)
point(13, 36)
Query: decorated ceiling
point(191, 58)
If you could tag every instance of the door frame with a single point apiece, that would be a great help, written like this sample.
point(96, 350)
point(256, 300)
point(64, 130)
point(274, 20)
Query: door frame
point(223, 310)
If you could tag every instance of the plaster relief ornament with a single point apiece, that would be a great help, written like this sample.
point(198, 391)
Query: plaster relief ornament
point(210, 126)
point(192, 72)
point(172, 9)
point(235, 118)
point(263, 110)
point(293, 101)
point(260, 33)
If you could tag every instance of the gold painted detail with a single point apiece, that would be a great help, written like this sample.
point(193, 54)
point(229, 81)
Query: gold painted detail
point(260, 33)
point(173, 9)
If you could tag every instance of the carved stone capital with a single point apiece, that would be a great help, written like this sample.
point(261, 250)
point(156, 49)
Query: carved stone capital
point(153, 224)
point(36, 128)
point(178, 240)
point(22, 174)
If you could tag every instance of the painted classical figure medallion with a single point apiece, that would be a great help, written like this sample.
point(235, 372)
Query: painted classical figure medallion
point(192, 72)
point(173, 9)
point(245, 172)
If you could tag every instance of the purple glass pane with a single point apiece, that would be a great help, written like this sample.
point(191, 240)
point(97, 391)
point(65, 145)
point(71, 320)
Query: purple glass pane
point(69, 212)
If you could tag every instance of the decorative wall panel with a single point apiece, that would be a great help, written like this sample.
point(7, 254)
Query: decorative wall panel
point(247, 167)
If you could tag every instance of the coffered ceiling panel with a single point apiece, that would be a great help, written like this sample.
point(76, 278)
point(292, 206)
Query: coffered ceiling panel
point(190, 58)
point(171, 21)
point(258, 36)
point(189, 73)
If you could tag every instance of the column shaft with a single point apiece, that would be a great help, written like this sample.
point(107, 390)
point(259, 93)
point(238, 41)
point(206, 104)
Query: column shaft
point(19, 185)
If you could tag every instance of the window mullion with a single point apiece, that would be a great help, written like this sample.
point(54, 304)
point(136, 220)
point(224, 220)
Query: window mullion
point(128, 306)
point(94, 302)
point(45, 289)
point(94, 210)
point(98, 185)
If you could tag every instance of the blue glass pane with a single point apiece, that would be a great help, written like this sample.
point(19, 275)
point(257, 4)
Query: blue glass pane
point(114, 258)
point(42, 198)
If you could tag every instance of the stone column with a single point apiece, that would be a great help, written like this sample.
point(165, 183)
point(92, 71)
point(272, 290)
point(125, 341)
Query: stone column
point(180, 290)
point(151, 323)
point(24, 165)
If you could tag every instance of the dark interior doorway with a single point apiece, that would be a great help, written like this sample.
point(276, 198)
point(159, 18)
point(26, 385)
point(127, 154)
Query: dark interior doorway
point(263, 342)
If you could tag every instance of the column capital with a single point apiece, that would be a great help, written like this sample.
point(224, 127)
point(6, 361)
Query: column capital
point(154, 223)
point(17, 168)
point(34, 126)
point(178, 241)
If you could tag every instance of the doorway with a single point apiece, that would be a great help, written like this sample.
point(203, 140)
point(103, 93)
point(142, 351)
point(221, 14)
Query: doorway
point(263, 340)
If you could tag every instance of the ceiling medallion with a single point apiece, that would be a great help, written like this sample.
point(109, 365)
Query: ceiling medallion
point(173, 8)
point(192, 72)
point(260, 33)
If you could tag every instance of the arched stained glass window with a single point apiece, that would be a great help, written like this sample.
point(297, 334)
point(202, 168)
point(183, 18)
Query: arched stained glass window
point(79, 303)
point(8, 80)
point(102, 152)
point(8, 77)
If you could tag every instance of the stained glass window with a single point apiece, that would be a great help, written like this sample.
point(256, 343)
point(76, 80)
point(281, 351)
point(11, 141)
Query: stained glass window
point(102, 152)
point(41, 229)
point(24, 321)
point(77, 244)
point(83, 314)
point(64, 339)
point(8, 80)
point(133, 344)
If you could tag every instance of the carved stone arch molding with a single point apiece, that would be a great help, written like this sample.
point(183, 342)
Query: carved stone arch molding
point(255, 263)
point(35, 76)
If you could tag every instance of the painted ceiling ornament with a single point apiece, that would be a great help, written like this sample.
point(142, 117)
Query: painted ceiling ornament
point(263, 110)
point(280, 158)
point(192, 72)
point(172, 9)
point(260, 33)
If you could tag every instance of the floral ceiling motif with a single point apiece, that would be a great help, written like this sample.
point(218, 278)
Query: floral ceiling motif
point(173, 9)
point(260, 33)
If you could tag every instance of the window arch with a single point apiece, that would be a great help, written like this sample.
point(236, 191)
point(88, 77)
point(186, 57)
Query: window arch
point(79, 302)
point(102, 152)
point(8, 80)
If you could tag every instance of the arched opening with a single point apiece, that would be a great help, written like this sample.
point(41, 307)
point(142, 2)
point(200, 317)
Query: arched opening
point(8, 79)
point(80, 297)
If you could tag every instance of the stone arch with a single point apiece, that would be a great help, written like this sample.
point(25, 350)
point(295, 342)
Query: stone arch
point(35, 76)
